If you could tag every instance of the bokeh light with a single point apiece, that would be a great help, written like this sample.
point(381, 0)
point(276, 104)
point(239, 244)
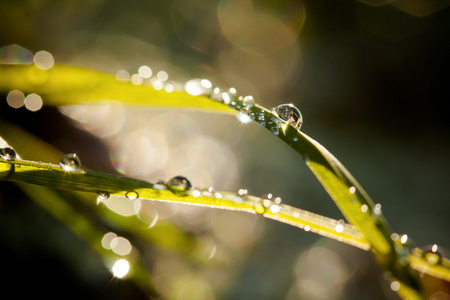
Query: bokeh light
point(43, 60)
point(121, 268)
point(15, 99)
point(33, 102)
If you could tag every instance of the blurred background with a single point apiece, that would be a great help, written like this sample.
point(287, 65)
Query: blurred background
point(370, 77)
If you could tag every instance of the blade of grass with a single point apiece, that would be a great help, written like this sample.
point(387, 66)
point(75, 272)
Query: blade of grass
point(53, 176)
point(65, 85)
point(83, 227)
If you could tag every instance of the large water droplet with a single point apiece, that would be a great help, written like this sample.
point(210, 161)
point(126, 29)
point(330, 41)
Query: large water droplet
point(132, 195)
point(8, 153)
point(70, 162)
point(198, 86)
point(290, 114)
point(179, 184)
point(102, 196)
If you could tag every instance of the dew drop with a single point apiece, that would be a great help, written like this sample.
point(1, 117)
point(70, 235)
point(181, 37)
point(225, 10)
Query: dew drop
point(8, 154)
point(70, 162)
point(123, 75)
point(198, 86)
point(377, 209)
point(395, 285)
point(260, 209)
point(364, 208)
point(395, 236)
point(352, 190)
point(196, 193)
point(102, 196)
point(132, 195)
point(339, 228)
point(307, 228)
point(237, 199)
point(433, 255)
point(248, 102)
point(145, 71)
point(179, 184)
point(160, 185)
point(404, 239)
point(244, 117)
point(242, 192)
point(275, 208)
point(290, 114)
point(162, 75)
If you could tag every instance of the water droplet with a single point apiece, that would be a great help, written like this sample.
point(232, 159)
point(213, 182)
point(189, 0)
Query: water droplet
point(307, 228)
point(352, 190)
point(15, 54)
point(145, 71)
point(121, 268)
point(160, 185)
point(377, 209)
point(237, 199)
point(198, 86)
point(136, 79)
point(339, 228)
point(15, 99)
point(162, 75)
point(123, 75)
point(102, 196)
point(244, 117)
point(260, 209)
point(275, 208)
point(395, 285)
point(248, 102)
point(364, 208)
point(433, 254)
point(70, 162)
point(404, 239)
point(179, 184)
point(395, 236)
point(43, 60)
point(196, 193)
point(132, 195)
point(242, 192)
point(290, 114)
point(8, 153)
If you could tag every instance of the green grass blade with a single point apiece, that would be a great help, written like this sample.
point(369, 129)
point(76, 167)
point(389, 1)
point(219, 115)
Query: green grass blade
point(65, 85)
point(83, 227)
point(53, 176)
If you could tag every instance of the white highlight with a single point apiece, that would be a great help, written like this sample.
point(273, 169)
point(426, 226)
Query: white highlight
point(121, 268)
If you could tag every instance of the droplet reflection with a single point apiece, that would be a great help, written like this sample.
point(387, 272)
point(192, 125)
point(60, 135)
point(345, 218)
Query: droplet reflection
point(70, 162)
point(8, 154)
point(290, 114)
point(179, 184)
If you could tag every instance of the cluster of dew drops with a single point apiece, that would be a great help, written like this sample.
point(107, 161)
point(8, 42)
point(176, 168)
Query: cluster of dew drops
point(244, 105)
